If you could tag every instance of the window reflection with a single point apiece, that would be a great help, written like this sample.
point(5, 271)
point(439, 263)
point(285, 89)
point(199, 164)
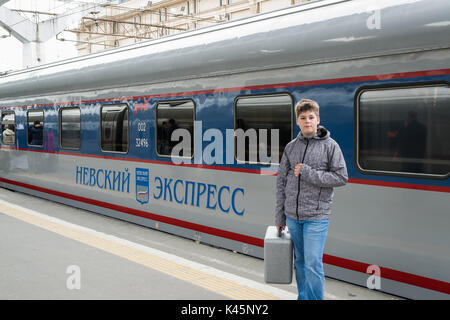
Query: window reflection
point(114, 128)
point(405, 130)
point(8, 128)
point(70, 128)
point(264, 112)
point(36, 127)
point(172, 115)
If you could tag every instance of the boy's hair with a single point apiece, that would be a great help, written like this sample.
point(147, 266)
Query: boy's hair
point(306, 105)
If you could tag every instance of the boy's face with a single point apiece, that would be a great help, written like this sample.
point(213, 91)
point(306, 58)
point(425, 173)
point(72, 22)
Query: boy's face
point(308, 122)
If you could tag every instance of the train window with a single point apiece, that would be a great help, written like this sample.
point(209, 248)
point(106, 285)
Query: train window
point(114, 128)
point(172, 115)
point(8, 128)
point(258, 116)
point(404, 131)
point(70, 128)
point(35, 127)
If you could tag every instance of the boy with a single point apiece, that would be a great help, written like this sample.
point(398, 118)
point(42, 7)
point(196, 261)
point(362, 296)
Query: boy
point(312, 164)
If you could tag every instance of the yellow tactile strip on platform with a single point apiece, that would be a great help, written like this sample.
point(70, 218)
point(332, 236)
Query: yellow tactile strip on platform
point(207, 280)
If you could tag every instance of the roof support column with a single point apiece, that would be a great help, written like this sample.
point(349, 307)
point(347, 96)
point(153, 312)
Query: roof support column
point(33, 53)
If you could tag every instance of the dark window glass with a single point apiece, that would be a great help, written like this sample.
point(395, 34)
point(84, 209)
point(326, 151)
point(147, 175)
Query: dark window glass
point(70, 132)
point(35, 127)
point(405, 130)
point(257, 117)
point(172, 115)
point(114, 128)
point(8, 128)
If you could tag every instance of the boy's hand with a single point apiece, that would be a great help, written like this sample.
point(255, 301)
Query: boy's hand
point(297, 169)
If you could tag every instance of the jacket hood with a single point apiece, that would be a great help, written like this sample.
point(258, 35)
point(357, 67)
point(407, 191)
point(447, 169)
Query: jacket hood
point(321, 134)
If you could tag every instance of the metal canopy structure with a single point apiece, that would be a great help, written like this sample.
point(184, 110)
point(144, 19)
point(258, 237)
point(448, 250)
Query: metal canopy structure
point(34, 34)
point(96, 25)
point(33, 28)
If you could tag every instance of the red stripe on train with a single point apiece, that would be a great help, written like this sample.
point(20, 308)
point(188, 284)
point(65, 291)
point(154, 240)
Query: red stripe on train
point(391, 274)
point(400, 185)
point(144, 214)
point(387, 273)
point(398, 75)
point(244, 170)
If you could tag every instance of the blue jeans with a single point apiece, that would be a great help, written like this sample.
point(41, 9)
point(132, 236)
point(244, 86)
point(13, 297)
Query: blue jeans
point(308, 238)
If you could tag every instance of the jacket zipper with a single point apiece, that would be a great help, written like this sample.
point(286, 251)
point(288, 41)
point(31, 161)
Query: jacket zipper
point(318, 201)
point(298, 190)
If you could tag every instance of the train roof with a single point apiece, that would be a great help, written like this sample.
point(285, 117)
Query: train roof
point(313, 32)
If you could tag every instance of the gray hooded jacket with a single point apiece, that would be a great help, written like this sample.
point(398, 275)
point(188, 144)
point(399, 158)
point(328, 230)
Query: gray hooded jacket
point(310, 195)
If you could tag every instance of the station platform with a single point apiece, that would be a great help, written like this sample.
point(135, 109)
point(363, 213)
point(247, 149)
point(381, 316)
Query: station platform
point(52, 251)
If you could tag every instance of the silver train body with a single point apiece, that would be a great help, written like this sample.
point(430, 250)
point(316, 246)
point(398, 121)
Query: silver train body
point(385, 222)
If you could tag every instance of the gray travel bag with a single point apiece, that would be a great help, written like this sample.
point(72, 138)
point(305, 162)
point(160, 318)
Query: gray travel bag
point(278, 252)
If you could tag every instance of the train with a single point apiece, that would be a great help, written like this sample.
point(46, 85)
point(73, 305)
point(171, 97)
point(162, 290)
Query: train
point(93, 132)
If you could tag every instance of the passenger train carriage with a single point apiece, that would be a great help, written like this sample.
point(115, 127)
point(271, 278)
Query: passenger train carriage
point(93, 131)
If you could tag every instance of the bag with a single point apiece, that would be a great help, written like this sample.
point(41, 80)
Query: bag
point(278, 256)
